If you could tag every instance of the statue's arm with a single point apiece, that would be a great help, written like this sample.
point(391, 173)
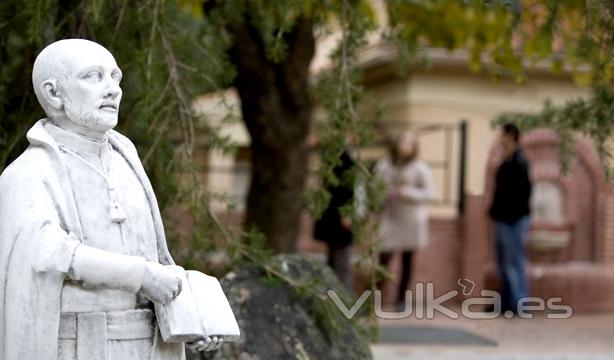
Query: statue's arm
point(103, 268)
point(107, 269)
point(55, 248)
point(62, 252)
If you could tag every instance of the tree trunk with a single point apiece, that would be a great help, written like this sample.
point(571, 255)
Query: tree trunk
point(276, 109)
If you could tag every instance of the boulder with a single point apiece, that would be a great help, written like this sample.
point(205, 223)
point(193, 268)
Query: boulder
point(280, 322)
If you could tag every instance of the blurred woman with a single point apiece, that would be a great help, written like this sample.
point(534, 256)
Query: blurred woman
point(404, 219)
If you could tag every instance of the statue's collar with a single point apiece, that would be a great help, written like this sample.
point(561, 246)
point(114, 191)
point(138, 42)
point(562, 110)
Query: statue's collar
point(76, 142)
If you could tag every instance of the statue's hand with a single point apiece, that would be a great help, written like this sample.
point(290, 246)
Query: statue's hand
point(206, 344)
point(160, 283)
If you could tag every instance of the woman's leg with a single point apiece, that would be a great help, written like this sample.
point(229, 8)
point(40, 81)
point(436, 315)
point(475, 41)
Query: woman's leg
point(406, 269)
point(384, 260)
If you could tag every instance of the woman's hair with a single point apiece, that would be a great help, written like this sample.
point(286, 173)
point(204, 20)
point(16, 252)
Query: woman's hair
point(393, 147)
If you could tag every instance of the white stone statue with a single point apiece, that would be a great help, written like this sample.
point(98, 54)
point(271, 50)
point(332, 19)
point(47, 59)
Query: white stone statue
point(83, 254)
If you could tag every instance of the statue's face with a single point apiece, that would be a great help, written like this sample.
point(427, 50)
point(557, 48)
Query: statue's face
point(90, 88)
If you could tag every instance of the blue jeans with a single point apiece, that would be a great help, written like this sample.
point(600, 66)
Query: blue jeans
point(511, 261)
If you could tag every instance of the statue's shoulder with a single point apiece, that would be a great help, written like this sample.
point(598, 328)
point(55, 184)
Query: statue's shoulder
point(31, 164)
point(121, 139)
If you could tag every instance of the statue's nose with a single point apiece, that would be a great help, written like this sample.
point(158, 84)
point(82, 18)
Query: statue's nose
point(113, 90)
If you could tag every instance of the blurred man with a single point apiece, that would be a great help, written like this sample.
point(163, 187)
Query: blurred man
point(510, 212)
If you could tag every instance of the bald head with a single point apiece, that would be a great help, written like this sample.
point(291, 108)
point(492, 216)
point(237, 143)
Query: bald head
point(59, 59)
point(78, 80)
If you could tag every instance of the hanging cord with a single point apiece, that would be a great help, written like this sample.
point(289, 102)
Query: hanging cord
point(117, 213)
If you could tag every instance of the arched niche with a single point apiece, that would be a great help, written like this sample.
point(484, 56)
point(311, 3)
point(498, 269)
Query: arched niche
point(567, 206)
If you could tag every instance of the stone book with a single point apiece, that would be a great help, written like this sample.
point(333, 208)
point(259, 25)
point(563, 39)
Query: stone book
point(200, 310)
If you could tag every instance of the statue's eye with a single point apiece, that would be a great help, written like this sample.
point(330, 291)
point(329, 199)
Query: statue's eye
point(93, 75)
point(116, 76)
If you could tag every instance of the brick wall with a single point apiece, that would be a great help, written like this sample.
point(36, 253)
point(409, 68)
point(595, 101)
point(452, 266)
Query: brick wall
point(440, 262)
point(478, 249)
point(604, 247)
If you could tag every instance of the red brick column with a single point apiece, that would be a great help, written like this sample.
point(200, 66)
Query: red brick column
point(477, 244)
point(604, 245)
point(439, 263)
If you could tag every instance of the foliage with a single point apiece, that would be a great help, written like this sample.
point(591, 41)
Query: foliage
point(340, 94)
point(574, 35)
point(484, 31)
point(577, 35)
point(591, 117)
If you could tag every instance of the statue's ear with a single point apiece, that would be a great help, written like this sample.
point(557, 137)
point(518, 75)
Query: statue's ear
point(51, 94)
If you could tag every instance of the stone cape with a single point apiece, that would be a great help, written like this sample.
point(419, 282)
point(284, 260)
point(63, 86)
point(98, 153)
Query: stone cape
point(35, 191)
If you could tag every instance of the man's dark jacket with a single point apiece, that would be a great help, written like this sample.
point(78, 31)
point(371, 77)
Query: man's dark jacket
point(329, 228)
point(512, 190)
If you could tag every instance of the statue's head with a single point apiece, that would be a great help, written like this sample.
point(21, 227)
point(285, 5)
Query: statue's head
point(76, 82)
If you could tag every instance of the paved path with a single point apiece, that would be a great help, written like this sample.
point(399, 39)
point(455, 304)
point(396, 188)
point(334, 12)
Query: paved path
point(388, 353)
point(582, 337)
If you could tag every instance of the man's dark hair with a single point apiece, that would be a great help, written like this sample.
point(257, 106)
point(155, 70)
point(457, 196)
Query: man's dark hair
point(512, 130)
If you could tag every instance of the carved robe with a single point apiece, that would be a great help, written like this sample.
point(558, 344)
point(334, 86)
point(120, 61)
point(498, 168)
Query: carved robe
point(39, 210)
